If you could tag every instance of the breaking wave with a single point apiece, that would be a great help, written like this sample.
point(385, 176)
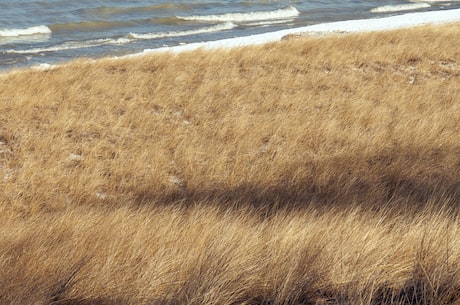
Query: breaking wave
point(287, 12)
point(212, 29)
point(35, 30)
point(269, 22)
point(400, 7)
point(72, 45)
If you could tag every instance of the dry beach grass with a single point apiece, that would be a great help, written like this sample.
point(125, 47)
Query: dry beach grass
point(318, 170)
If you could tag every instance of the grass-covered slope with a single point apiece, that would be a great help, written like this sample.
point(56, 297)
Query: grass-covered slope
point(310, 171)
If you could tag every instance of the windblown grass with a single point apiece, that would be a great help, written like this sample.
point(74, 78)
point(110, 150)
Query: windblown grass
point(311, 171)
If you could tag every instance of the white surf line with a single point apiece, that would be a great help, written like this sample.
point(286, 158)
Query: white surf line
point(353, 26)
point(34, 30)
point(287, 12)
point(269, 22)
point(400, 7)
point(72, 45)
point(212, 29)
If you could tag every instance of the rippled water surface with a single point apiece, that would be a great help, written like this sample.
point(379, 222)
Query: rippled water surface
point(50, 31)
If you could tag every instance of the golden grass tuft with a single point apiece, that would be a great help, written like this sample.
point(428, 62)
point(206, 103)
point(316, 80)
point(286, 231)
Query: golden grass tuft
point(316, 170)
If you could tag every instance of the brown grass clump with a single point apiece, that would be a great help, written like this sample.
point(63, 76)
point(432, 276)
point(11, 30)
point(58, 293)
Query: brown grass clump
point(321, 170)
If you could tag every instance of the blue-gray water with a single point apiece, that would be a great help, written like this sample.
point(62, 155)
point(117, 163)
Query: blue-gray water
point(51, 31)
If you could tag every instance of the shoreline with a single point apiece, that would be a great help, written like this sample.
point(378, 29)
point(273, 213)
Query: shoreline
point(407, 20)
point(349, 26)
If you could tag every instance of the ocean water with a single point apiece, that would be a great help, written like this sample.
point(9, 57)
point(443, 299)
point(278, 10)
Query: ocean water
point(33, 32)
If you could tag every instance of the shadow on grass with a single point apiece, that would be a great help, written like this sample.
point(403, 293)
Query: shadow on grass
point(390, 191)
point(415, 292)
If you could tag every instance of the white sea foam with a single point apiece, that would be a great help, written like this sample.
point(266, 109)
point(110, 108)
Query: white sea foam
point(44, 67)
point(215, 28)
point(269, 22)
point(35, 30)
point(400, 7)
point(287, 12)
point(72, 45)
